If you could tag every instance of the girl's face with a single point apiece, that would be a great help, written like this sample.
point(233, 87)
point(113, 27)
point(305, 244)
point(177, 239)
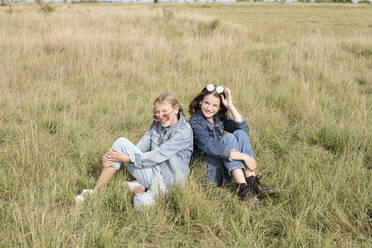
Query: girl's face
point(165, 114)
point(209, 106)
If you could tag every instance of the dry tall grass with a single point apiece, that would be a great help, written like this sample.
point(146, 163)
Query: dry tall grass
point(75, 77)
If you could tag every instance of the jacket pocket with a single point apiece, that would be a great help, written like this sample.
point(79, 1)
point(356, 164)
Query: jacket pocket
point(154, 142)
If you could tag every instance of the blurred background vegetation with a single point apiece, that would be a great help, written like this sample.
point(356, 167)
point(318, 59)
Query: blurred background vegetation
point(73, 78)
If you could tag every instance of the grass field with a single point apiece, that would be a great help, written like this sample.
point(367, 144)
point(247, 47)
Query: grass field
point(74, 77)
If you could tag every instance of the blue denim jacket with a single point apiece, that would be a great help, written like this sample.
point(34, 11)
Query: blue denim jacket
point(207, 136)
point(171, 147)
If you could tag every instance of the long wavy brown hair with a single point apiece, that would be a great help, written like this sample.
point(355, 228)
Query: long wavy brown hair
point(172, 100)
point(195, 103)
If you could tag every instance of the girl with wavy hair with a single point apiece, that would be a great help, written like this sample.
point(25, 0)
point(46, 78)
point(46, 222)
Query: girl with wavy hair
point(229, 156)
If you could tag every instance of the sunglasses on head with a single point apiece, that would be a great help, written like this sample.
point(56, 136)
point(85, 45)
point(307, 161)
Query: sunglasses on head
point(212, 87)
point(158, 117)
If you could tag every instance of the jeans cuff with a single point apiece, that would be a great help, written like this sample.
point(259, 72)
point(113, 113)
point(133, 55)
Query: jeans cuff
point(226, 153)
point(136, 159)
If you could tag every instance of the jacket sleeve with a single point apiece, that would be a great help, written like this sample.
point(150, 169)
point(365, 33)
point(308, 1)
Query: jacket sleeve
point(231, 125)
point(206, 143)
point(144, 143)
point(181, 140)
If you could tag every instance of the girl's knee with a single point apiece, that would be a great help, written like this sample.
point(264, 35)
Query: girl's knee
point(121, 141)
point(228, 138)
point(240, 133)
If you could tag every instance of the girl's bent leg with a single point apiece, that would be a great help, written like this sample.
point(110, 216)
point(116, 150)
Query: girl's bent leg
point(105, 177)
point(142, 175)
point(253, 182)
point(238, 175)
point(245, 146)
point(244, 143)
point(123, 145)
point(126, 146)
point(236, 167)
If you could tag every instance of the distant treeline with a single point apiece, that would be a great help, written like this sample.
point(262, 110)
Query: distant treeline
point(311, 1)
point(191, 1)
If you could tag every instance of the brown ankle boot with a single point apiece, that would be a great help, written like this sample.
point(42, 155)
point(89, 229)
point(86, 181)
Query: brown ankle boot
point(245, 194)
point(257, 188)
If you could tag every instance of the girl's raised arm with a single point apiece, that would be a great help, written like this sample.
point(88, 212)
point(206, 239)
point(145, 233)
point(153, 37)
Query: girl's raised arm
point(230, 106)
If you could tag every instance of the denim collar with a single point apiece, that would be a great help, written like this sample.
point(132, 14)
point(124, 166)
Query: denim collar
point(216, 119)
point(170, 129)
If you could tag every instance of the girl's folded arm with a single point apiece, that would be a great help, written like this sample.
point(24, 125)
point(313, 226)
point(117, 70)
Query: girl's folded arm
point(206, 143)
point(231, 125)
point(180, 141)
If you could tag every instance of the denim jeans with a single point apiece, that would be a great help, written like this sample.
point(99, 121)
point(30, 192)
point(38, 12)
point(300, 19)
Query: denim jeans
point(150, 176)
point(157, 179)
point(218, 171)
point(208, 135)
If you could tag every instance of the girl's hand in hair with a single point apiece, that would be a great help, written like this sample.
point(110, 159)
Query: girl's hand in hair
point(117, 156)
point(228, 100)
point(230, 106)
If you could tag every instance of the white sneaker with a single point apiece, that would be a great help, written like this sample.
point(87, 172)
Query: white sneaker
point(81, 197)
point(133, 184)
point(145, 200)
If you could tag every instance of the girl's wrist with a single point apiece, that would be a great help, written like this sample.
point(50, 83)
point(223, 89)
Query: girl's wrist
point(232, 154)
point(230, 107)
point(127, 159)
point(233, 110)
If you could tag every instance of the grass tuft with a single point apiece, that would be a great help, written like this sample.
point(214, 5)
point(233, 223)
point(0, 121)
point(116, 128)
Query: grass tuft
point(331, 138)
point(208, 28)
point(46, 8)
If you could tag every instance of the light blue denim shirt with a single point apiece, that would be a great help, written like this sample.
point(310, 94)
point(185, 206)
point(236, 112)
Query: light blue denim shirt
point(171, 147)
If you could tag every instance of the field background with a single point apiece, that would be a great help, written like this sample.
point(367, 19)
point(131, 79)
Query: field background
point(74, 77)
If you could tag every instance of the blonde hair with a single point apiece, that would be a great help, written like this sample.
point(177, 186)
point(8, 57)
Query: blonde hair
point(170, 99)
